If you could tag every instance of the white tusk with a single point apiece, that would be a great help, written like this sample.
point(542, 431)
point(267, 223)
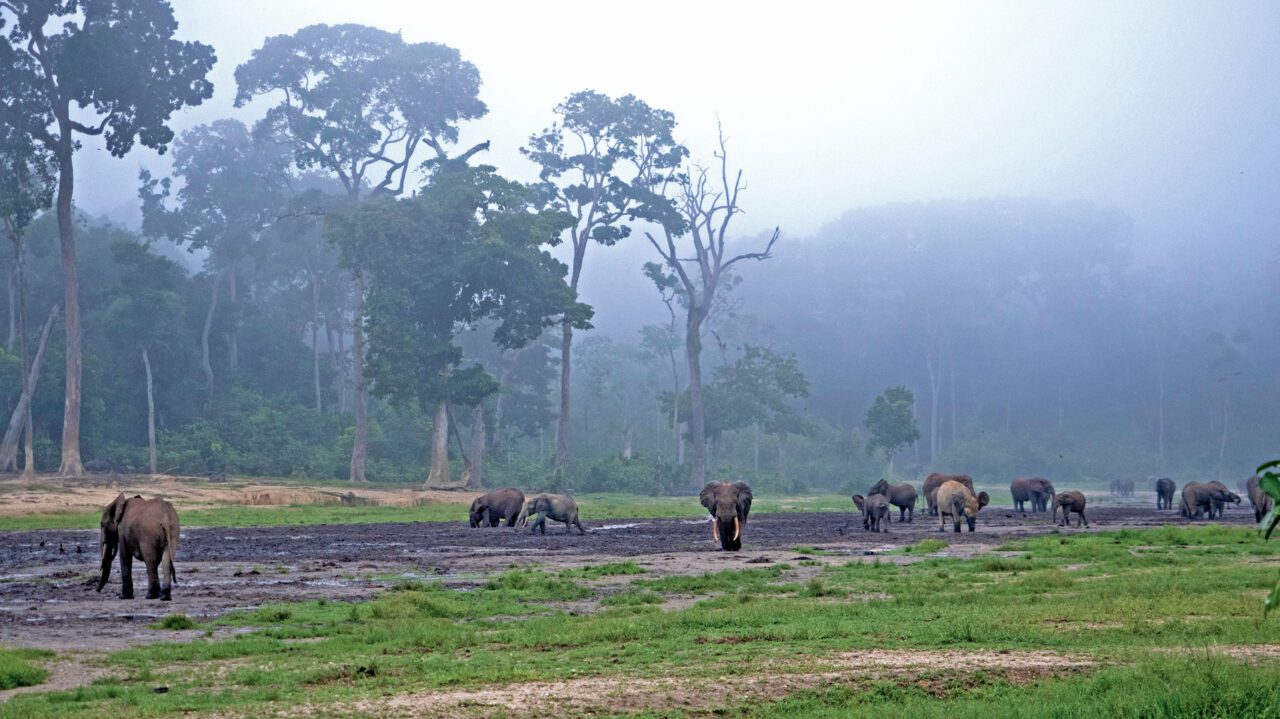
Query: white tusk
point(737, 529)
point(715, 530)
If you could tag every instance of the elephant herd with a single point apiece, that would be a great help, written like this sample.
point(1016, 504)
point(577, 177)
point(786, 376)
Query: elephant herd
point(147, 529)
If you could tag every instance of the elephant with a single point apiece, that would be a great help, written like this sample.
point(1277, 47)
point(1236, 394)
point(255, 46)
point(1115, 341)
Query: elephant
point(1198, 498)
point(1070, 501)
point(729, 503)
point(936, 480)
point(903, 496)
point(145, 529)
point(1217, 505)
point(956, 500)
point(1037, 490)
point(496, 506)
point(875, 512)
point(1261, 501)
point(556, 507)
point(1125, 487)
point(1164, 493)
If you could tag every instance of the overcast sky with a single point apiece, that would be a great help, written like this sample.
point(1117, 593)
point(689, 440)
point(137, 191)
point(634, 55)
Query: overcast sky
point(1170, 111)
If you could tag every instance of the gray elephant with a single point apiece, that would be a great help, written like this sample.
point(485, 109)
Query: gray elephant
point(1198, 498)
point(901, 496)
point(729, 503)
point(1070, 501)
point(956, 500)
point(1036, 490)
point(496, 506)
point(1217, 505)
point(1261, 501)
point(1164, 493)
point(145, 529)
point(875, 512)
point(556, 507)
point(936, 480)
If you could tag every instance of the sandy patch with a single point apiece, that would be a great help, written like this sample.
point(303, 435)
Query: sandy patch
point(68, 671)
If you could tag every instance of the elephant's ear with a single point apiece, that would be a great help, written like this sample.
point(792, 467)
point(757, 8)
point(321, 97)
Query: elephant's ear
point(117, 509)
point(858, 500)
point(708, 496)
point(983, 499)
point(744, 498)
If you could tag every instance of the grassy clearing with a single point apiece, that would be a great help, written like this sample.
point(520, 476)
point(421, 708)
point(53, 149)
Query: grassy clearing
point(594, 507)
point(1119, 597)
point(18, 670)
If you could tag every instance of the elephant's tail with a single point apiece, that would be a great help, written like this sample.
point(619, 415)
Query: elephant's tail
point(171, 548)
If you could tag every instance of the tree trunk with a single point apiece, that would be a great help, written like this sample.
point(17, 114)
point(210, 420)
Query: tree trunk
point(28, 447)
point(755, 446)
point(315, 340)
point(562, 422)
point(359, 396)
point(933, 364)
point(439, 478)
point(782, 455)
point(17, 420)
point(204, 335)
point(474, 472)
point(342, 352)
point(953, 404)
point(71, 464)
point(626, 443)
point(1222, 447)
point(151, 413)
point(1160, 415)
point(333, 357)
point(233, 345)
point(13, 305)
point(697, 412)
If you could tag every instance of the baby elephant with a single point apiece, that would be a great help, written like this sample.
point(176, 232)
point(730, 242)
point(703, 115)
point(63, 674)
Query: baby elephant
point(145, 529)
point(556, 507)
point(1070, 502)
point(875, 512)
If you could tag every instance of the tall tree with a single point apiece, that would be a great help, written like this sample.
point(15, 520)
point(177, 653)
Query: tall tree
point(695, 223)
point(27, 173)
point(467, 248)
point(357, 102)
point(118, 64)
point(891, 421)
point(598, 162)
point(233, 185)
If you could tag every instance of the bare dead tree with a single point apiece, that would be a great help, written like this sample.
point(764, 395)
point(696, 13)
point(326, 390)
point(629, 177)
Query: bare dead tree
point(694, 246)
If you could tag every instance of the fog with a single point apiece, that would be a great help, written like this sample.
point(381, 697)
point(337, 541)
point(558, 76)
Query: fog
point(1055, 223)
point(1167, 111)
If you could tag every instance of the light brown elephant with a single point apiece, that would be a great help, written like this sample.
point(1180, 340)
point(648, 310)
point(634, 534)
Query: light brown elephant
point(729, 503)
point(1070, 501)
point(936, 480)
point(556, 507)
point(1198, 498)
point(957, 501)
point(145, 529)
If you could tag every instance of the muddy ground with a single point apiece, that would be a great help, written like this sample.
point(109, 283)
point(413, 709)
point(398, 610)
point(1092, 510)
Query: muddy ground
point(48, 577)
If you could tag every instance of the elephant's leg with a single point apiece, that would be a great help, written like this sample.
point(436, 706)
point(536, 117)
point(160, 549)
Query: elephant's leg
point(578, 524)
point(540, 526)
point(911, 515)
point(126, 572)
point(153, 577)
point(957, 526)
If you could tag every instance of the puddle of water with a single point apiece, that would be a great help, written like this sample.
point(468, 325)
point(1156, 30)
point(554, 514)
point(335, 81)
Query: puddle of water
point(608, 527)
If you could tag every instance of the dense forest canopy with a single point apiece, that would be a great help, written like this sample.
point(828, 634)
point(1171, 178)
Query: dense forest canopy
point(340, 251)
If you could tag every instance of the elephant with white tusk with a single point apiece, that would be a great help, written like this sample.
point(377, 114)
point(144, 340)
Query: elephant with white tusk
point(729, 503)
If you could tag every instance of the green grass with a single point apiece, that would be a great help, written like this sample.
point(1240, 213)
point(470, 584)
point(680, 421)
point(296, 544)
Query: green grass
point(593, 507)
point(925, 546)
point(1118, 597)
point(811, 551)
point(17, 669)
point(175, 622)
point(612, 569)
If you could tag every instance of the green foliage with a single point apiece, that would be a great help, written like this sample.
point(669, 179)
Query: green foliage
point(1269, 482)
point(175, 622)
point(891, 421)
point(17, 669)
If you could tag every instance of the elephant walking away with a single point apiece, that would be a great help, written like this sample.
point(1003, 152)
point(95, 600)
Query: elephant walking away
point(901, 496)
point(490, 509)
point(1070, 501)
point(1164, 493)
point(556, 507)
point(936, 480)
point(729, 503)
point(958, 501)
point(145, 529)
point(875, 512)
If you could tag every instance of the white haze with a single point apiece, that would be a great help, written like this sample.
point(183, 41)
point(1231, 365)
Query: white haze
point(1168, 111)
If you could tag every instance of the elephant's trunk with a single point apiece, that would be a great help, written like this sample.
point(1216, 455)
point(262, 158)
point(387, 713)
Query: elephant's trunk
point(108, 552)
